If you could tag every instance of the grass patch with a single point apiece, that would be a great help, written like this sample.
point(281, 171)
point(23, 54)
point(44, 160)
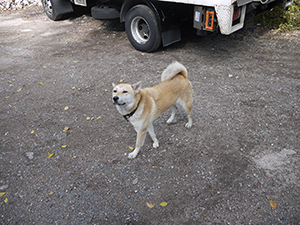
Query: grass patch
point(280, 18)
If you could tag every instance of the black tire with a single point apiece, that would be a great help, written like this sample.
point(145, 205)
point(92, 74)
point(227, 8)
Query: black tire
point(50, 10)
point(143, 29)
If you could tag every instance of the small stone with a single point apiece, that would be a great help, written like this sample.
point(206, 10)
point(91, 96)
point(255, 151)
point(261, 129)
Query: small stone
point(135, 181)
point(29, 155)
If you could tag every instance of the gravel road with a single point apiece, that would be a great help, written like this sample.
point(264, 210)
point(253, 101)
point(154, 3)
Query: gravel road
point(64, 146)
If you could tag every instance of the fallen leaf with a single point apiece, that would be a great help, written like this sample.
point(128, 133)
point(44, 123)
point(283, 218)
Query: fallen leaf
point(19, 90)
point(88, 118)
point(66, 128)
point(163, 204)
point(205, 153)
point(64, 146)
point(121, 80)
point(51, 193)
point(41, 83)
point(32, 132)
point(273, 204)
point(44, 67)
point(211, 68)
point(105, 89)
point(99, 117)
point(7, 97)
point(73, 87)
point(6, 200)
point(67, 107)
point(75, 61)
point(13, 79)
point(150, 205)
point(2, 194)
point(131, 148)
point(50, 155)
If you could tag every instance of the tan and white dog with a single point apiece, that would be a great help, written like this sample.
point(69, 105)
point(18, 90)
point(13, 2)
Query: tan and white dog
point(142, 106)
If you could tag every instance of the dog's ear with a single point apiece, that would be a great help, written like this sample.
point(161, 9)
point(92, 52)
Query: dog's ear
point(113, 84)
point(136, 87)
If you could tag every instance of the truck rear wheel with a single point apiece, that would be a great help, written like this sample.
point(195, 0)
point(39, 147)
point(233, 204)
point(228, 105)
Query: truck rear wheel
point(142, 28)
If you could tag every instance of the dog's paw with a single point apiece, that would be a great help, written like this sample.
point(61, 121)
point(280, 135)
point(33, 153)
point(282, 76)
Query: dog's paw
point(155, 144)
point(188, 125)
point(132, 155)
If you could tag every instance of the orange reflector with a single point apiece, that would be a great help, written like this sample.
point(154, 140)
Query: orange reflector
point(209, 22)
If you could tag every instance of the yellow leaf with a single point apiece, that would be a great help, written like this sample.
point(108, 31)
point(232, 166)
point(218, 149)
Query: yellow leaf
point(2, 194)
point(19, 90)
point(32, 132)
point(273, 204)
point(88, 118)
point(131, 148)
point(41, 83)
point(54, 83)
point(50, 155)
point(6, 200)
point(150, 205)
point(44, 67)
point(13, 79)
point(75, 61)
point(66, 128)
point(163, 204)
point(121, 80)
point(67, 107)
point(151, 81)
point(51, 193)
point(64, 146)
point(211, 67)
point(73, 87)
point(7, 97)
point(105, 89)
point(142, 53)
point(99, 117)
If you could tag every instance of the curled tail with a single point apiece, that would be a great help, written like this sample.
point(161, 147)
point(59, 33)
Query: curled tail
point(172, 70)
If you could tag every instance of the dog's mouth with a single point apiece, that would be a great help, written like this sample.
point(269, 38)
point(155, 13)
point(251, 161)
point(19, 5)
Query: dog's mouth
point(116, 103)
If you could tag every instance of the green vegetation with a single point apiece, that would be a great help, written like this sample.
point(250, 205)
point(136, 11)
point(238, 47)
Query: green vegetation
point(280, 18)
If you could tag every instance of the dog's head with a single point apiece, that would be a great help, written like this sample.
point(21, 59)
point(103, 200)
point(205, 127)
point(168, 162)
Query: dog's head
point(123, 94)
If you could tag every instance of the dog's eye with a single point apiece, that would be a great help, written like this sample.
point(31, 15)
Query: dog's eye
point(125, 92)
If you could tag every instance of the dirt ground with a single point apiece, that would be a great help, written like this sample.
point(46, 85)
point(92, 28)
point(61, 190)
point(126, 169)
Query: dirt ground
point(240, 157)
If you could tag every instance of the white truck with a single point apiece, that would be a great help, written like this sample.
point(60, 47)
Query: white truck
point(152, 23)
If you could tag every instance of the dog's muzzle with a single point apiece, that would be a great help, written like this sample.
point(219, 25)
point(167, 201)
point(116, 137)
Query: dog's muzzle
point(116, 98)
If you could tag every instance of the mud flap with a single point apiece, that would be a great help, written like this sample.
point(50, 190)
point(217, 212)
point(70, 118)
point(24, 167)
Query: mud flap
point(171, 36)
point(62, 7)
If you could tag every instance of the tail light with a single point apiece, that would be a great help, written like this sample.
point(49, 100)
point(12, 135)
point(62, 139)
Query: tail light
point(236, 13)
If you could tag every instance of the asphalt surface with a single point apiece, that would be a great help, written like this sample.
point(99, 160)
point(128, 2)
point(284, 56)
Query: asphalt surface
point(238, 164)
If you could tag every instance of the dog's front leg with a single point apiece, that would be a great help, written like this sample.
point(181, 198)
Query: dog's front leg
point(139, 142)
point(152, 135)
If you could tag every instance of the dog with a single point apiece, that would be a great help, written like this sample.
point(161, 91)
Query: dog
point(141, 106)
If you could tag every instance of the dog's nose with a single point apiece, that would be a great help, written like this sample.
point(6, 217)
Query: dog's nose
point(115, 98)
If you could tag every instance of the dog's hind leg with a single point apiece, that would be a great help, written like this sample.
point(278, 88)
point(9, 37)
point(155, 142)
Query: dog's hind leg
point(152, 135)
point(174, 109)
point(187, 106)
point(188, 109)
